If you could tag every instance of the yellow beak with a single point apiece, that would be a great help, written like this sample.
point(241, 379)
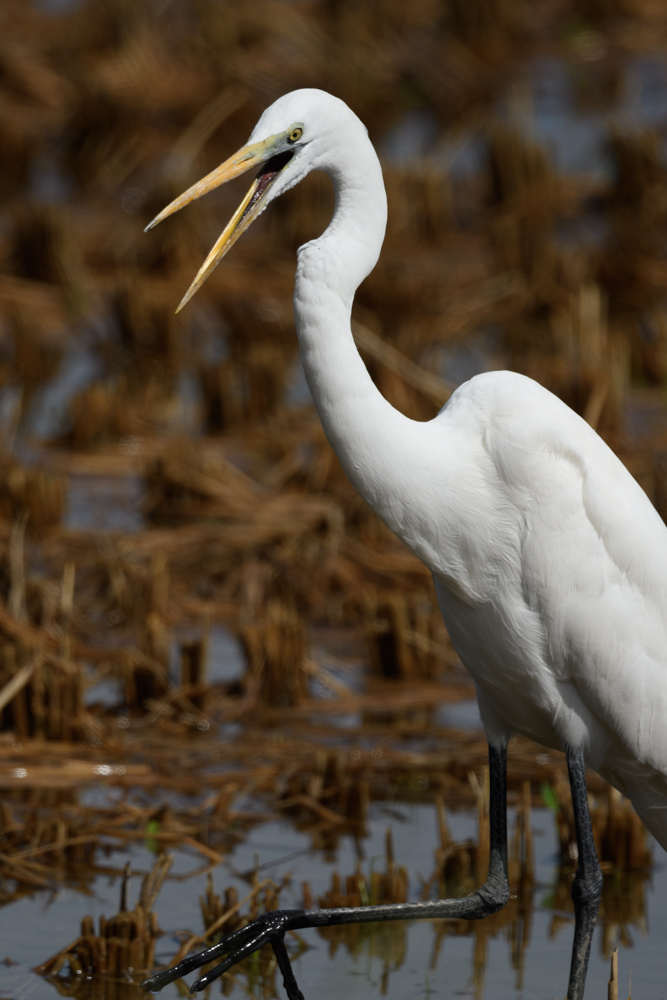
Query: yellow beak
point(245, 159)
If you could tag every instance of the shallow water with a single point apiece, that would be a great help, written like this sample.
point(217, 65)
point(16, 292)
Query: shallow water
point(105, 503)
point(38, 925)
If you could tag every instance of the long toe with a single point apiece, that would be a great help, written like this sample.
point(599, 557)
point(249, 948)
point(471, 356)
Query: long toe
point(283, 959)
point(247, 948)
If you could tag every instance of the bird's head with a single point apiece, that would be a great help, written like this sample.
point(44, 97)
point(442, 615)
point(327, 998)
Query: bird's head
point(294, 136)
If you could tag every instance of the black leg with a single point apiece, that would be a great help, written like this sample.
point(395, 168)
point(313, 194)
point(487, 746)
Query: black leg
point(270, 928)
point(587, 885)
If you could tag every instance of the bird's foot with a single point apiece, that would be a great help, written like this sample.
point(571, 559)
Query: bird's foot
point(269, 928)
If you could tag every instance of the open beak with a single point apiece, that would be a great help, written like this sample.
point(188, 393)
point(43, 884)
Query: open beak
point(262, 154)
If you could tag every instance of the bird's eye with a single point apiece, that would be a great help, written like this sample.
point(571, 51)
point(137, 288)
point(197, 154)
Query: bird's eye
point(295, 134)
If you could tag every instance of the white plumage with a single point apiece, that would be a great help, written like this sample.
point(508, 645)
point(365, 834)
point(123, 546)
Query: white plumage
point(550, 563)
point(549, 560)
point(563, 622)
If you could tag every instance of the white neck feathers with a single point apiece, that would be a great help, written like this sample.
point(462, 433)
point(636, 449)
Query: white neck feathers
point(365, 431)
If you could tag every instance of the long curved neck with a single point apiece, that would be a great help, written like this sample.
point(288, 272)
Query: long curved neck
point(364, 430)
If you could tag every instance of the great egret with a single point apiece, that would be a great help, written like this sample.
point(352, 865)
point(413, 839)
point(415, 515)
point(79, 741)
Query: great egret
point(549, 561)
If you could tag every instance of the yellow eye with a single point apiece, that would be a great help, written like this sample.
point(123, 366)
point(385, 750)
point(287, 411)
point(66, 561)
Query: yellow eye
point(295, 134)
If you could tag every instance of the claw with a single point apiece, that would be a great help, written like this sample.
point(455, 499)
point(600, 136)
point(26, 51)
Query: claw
point(267, 935)
point(220, 969)
point(155, 983)
point(267, 929)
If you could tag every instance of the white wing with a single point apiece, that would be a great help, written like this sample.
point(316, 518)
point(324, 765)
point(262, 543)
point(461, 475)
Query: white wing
point(585, 592)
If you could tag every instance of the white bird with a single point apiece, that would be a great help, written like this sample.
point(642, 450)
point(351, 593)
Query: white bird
point(549, 561)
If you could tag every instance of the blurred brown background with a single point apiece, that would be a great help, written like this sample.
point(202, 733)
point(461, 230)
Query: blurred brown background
point(179, 549)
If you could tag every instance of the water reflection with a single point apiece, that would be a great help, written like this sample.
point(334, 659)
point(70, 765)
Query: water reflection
point(519, 952)
point(387, 955)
